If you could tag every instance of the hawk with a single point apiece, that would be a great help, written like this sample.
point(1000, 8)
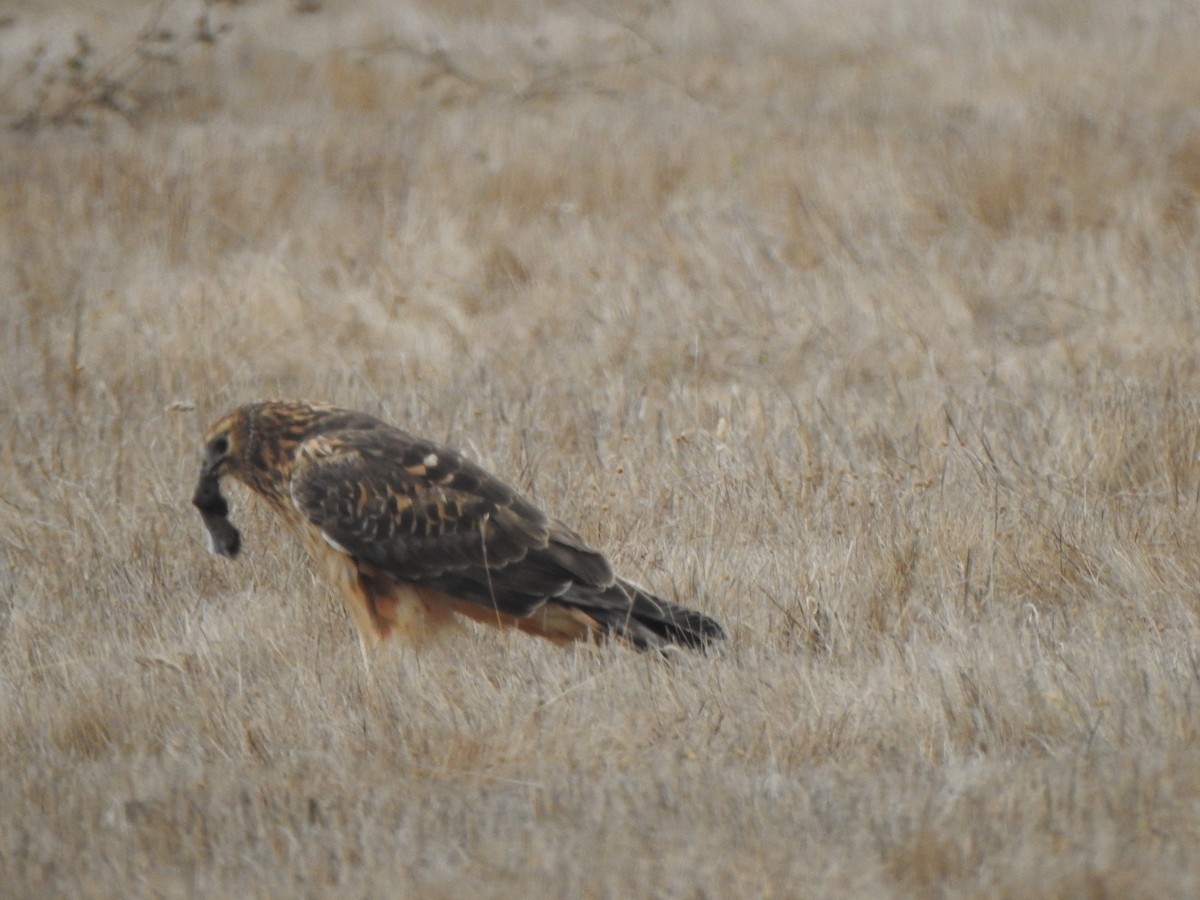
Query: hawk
point(413, 535)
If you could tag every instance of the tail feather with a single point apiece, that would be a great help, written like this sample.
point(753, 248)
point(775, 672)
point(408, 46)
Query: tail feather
point(676, 624)
point(649, 622)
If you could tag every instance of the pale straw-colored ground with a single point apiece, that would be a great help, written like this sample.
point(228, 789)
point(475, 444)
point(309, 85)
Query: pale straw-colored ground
point(869, 328)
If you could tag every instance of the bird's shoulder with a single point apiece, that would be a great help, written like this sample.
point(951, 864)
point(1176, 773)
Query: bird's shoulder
point(362, 458)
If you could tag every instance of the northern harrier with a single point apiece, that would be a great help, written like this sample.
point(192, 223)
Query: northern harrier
point(411, 533)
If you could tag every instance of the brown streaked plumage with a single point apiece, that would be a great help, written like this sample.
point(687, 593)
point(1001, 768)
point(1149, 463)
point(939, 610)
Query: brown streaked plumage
point(413, 534)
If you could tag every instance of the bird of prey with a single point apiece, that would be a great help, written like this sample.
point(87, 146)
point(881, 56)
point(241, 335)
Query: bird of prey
point(412, 534)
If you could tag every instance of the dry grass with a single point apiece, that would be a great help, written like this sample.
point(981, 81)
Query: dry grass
point(872, 332)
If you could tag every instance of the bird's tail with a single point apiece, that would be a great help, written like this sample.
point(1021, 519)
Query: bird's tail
point(652, 622)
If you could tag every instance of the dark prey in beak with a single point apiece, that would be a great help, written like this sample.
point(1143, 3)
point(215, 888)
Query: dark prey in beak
point(223, 538)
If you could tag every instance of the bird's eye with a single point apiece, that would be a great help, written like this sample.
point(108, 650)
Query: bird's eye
point(220, 446)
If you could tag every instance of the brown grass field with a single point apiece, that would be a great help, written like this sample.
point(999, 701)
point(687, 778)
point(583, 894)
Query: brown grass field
point(869, 328)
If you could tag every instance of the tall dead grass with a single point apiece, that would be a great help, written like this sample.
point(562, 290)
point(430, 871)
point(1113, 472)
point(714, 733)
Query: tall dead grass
point(870, 332)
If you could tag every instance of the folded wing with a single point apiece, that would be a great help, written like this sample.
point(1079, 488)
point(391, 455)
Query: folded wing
point(422, 514)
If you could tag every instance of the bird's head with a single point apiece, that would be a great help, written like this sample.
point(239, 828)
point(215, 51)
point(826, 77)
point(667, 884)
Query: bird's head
point(256, 444)
point(225, 444)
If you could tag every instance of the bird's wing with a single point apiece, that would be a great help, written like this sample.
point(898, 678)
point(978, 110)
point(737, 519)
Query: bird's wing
point(421, 513)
